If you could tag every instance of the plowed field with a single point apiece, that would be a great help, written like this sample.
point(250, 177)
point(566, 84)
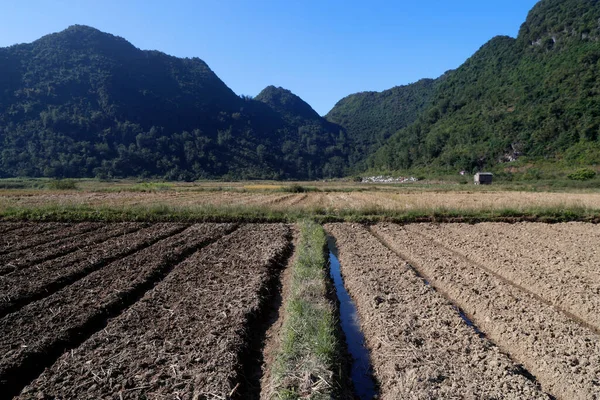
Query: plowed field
point(485, 311)
point(180, 311)
point(163, 310)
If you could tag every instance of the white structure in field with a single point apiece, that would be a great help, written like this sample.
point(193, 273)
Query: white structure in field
point(484, 178)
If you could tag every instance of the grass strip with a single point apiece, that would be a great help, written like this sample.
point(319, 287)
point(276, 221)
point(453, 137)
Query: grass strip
point(258, 214)
point(307, 362)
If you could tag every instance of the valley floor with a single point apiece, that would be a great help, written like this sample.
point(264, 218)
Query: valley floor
point(272, 201)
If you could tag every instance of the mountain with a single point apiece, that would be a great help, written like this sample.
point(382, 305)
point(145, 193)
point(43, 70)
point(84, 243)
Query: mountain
point(536, 96)
point(370, 118)
point(290, 106)
point(323, 143)
point(83, 103)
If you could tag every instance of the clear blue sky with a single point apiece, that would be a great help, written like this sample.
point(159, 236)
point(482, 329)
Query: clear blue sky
point(322, 50)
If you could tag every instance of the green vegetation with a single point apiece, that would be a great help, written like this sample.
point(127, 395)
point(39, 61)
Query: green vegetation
point(150, 187)
point(369, 214)
point(22, 183)
point(62, 184)
point(536, 96)
point(310, 350)
point(370, 118)
point(296, 188)
point(584, 174)
point(82, 103)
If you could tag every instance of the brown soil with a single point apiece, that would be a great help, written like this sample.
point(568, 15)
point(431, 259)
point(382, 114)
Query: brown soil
point(14, 238)
point(562, 354)
point(186, 337)
point(25, 285)
point(6, 227)
point(535, 263)
point(297, 199)
point(568, 247)
point(420, 346)
point(30, 240)
point(47, 246)
point(38, 333)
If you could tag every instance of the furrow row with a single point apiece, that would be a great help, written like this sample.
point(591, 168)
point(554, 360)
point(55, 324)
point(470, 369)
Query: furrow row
point(574, 296)
point(65, 241)
point(35, 336)
point(559, 352)
point(26, 285)
point(21, 235)
point(420, 346)
point(29, 242)
point(186, 337)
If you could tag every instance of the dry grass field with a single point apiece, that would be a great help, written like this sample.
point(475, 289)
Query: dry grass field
point(279, 200)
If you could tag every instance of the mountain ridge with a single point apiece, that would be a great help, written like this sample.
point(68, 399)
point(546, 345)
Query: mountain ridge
point(533, 96)
point(82, 102)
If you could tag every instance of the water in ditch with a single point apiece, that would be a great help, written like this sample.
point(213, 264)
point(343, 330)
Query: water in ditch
point(361, 372)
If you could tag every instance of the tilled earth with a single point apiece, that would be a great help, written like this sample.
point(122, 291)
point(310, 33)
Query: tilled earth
point(169, 317)
point(420, 346)
point(530, 291)
point(178, 311)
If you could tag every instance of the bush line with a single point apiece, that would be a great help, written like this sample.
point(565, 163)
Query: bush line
point(310, 349)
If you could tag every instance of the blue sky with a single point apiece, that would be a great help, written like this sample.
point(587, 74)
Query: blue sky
point(320, 50)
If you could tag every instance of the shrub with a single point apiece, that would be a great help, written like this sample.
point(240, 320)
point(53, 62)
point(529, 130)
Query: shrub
point(296, 188)
point(582, 174)
point(62, 184)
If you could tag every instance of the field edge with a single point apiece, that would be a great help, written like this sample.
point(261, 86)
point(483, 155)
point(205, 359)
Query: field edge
point(264, 214)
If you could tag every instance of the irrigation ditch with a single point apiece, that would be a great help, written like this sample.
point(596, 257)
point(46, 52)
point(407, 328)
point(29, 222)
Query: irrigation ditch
point(361, 372)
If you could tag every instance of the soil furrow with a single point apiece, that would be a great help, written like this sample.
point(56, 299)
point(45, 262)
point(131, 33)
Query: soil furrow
point(6, 227)
point(279, 199)
point(25, 286)
point(34, 337)
point(26, 258)
point(420, 346)
point(14, 239)
point(563, 355)
point(185, 338)
point(30, 243)
point(297, 200)
point(579, 305)
point(560, 250)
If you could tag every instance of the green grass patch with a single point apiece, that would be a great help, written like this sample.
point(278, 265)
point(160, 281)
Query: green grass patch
point(310, 349)
point(150, 187)
point(256, 213)
point(583, 174)
point(62, 184)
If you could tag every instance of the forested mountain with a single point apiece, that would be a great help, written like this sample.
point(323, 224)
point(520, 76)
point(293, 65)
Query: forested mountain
point(536, 95)
point(324, 142)
point(85, 103)
point(370, 118)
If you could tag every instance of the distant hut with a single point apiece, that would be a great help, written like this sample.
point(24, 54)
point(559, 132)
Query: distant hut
point(484, 178)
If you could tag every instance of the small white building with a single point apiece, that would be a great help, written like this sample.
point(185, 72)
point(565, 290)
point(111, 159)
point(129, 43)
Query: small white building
point(484, 178)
